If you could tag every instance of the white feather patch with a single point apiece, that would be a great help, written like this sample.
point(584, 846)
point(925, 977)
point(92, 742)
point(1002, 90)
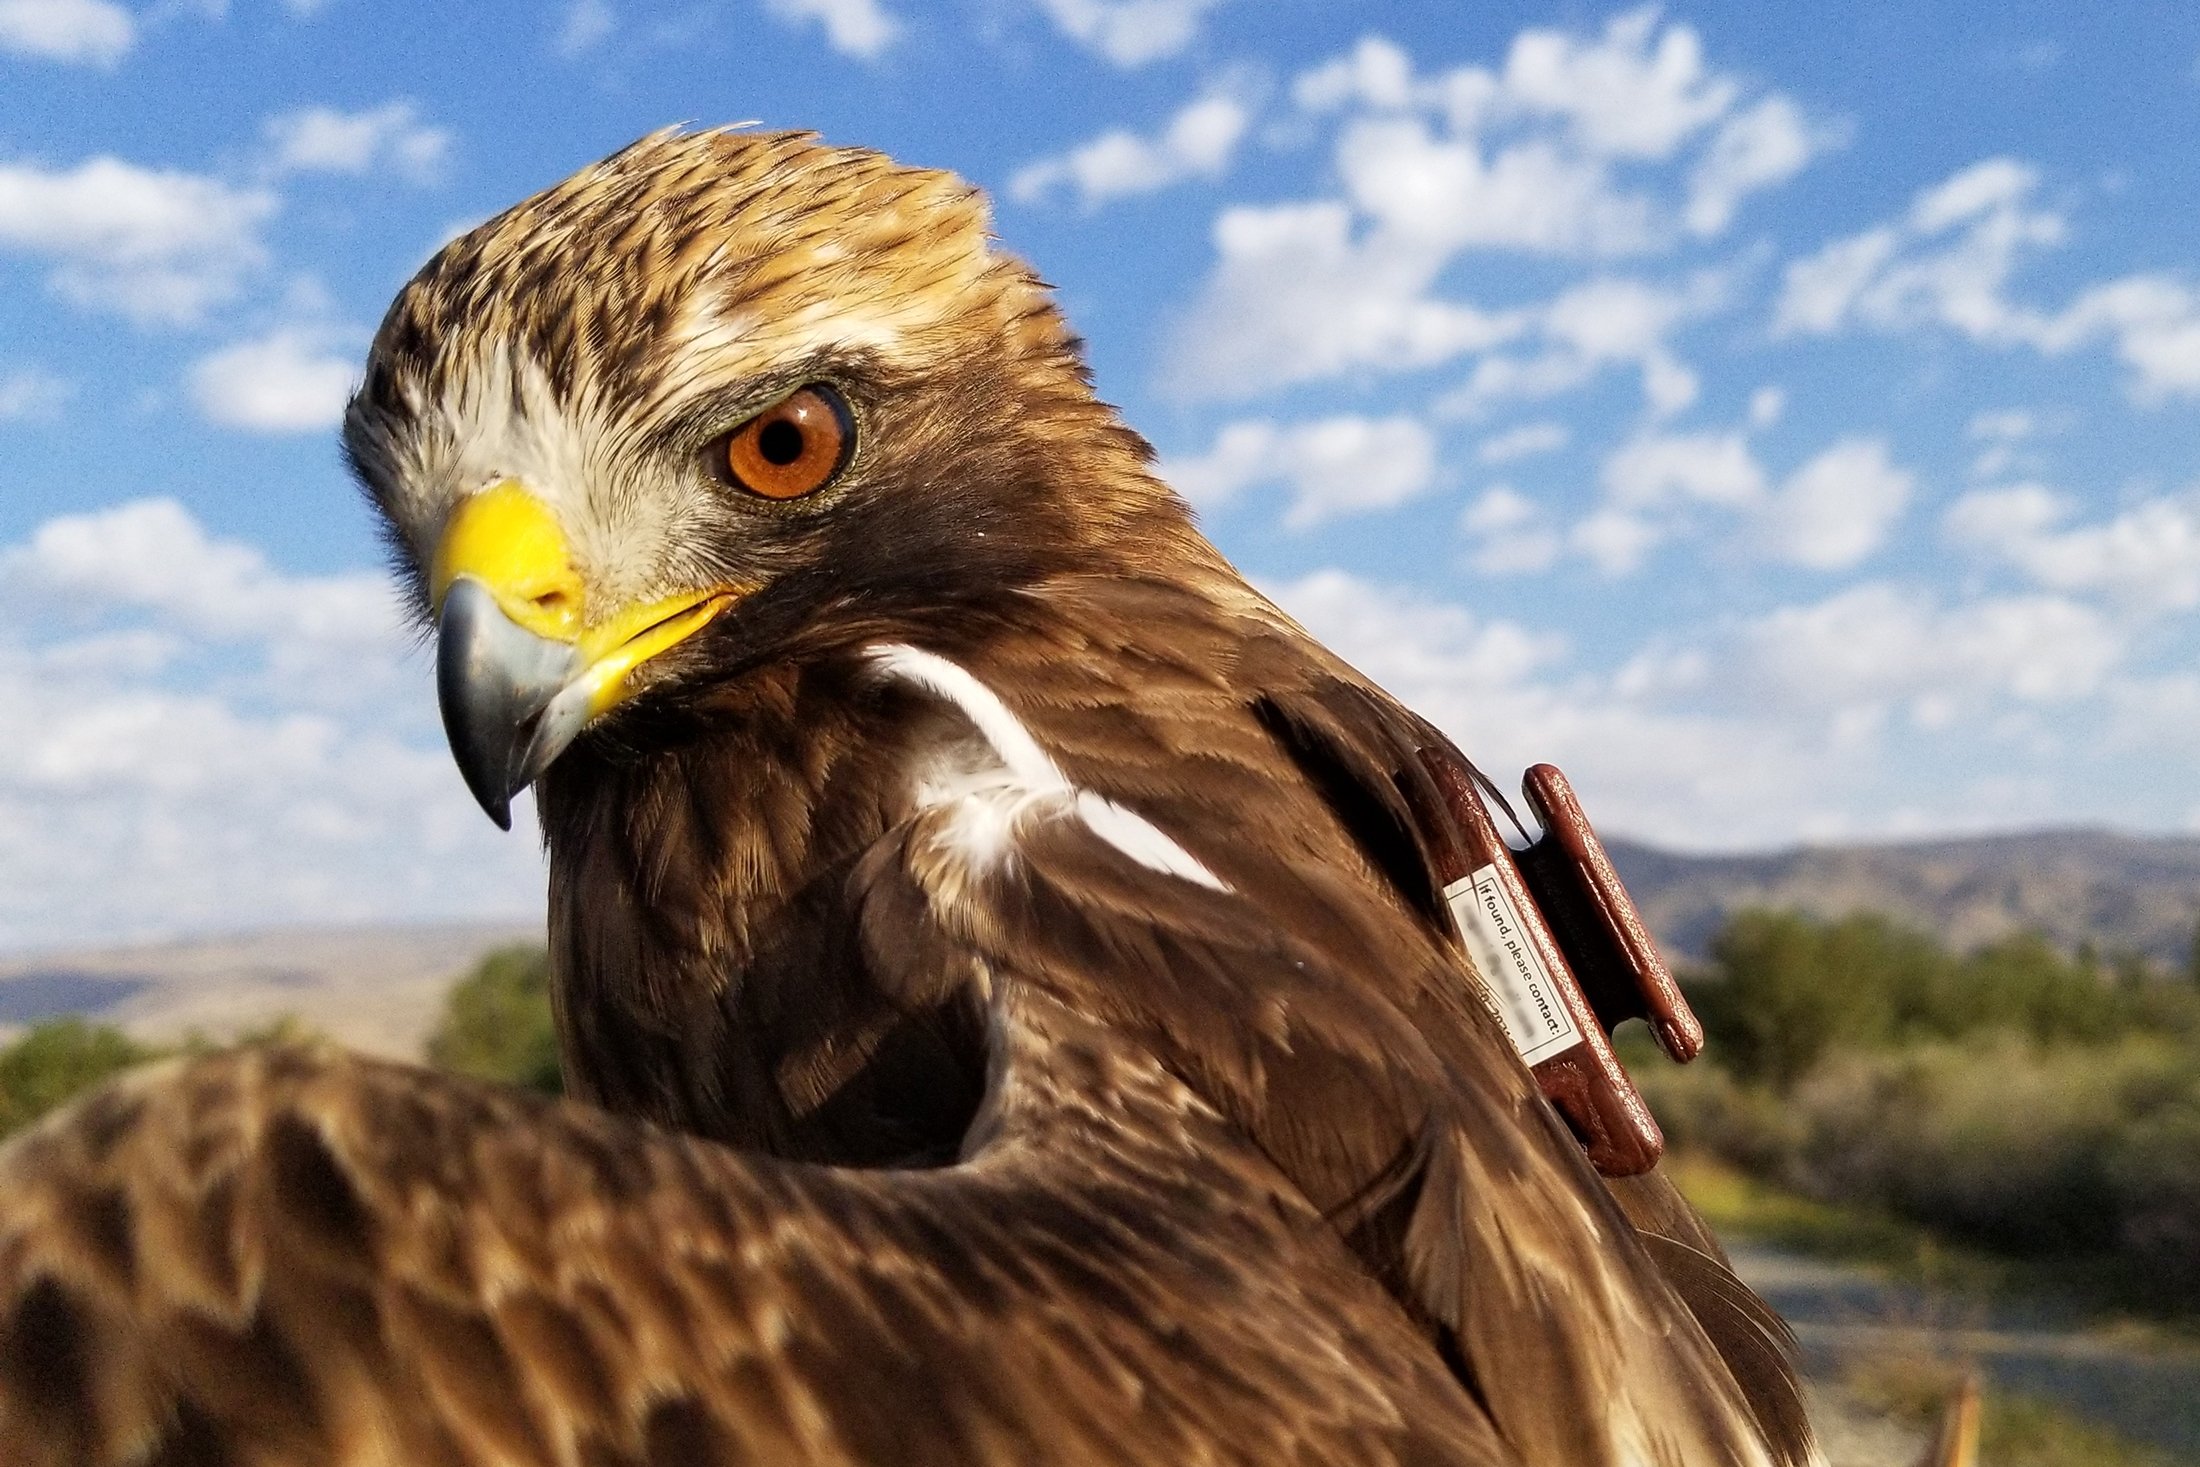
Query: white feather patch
point(991, 800)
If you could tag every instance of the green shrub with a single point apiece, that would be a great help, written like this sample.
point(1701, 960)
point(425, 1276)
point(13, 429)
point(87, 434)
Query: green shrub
point(2154, 1171)
point(54, 1060)
point(497, 1023)
point(1784, 991)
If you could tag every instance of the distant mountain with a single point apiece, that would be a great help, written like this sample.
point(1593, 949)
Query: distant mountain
point(374, 988)
point(2116, 891)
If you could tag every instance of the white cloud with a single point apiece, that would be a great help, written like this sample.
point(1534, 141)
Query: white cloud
point(1580, 147)
point(861, 28)
point(153, 245)
point(1445, 194)
point(295, 379)
point(1777, 728)
point(1602, 322)
point(1130, 32)
point(1829, 514)
point(1883, 646)
point(1615, 541)
point(587, 25)
point(153, 555)
point(2152, 323)
point(201, 741)
point(1836, 509)
point(1199, 142)
point(1636, 91)
point(1525, 441)
point(31, 392)
point(1376, 74)
point(1296, 297)
point(2147, 556)
point(1510, 697)
point(1766, 405)
point(1948, 262)
point(1705, 468)
point(92, 32)
point(1754, 150)
point(1649, 476)
point(325, 140)
point(1509, 534)
point(1335, 466)
point(2010, 424)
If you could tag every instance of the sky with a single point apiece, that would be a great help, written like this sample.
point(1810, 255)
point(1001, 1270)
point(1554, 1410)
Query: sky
point(1786, 419)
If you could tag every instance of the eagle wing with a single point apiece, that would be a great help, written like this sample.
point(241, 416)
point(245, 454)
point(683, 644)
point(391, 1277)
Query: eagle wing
point(1233, 880)
point(300, 1256)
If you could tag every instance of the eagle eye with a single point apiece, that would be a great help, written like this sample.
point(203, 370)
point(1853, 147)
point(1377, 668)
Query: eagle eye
point(793, 448)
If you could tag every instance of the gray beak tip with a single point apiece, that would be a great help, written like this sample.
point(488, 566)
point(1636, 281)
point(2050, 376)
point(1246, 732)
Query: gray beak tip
point(495, 680)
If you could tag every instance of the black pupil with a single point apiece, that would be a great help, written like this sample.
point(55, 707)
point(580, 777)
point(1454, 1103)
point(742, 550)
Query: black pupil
point(780, 442)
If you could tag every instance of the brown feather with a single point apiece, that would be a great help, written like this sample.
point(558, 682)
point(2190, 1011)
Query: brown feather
point(324, 1259)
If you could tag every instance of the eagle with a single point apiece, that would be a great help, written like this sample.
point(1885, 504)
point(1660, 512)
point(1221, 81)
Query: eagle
point(1007, 1002)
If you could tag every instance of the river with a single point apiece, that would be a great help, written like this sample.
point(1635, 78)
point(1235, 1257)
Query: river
point(2147, 1391)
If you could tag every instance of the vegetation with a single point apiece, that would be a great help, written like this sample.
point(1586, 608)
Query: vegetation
point(2016, 1430)
point(54, 1060)
point(2014, 1099)
point(496, 1022)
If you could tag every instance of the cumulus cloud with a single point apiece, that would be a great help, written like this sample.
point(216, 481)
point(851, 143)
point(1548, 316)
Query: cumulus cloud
point(294, 379)
point(1602, 322)
point(1296, 297)
point(1130, 32)
point(87, 32)
point(1199, 142)
point(1835, 510)
point(1580, 147)
point(1512, 696)
point(1777, 726)
point(1334, 467)
point(1709, 468)
point(1525, 441)
point(2146, 556)
point(1508, 533)
point(586, 25)
point(1880, 646)
point(200, 740)
point(860, 28)
point(327, 140)
point(1830, 513)
point(1753, 150)
point(1949, 263)
point(151, 244)
point(32, 393)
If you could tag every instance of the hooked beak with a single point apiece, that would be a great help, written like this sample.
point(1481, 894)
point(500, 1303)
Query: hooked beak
point(520, 668)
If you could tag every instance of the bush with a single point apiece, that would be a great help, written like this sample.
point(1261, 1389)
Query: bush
point(2154, 1171)
point(55, 1060)
point(497, 1022)
point(1785, 991)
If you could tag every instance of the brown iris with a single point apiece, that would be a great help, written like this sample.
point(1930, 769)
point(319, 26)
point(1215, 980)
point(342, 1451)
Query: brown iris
point(792, 448)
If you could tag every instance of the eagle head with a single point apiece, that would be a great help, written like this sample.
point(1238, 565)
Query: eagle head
point(718, 394)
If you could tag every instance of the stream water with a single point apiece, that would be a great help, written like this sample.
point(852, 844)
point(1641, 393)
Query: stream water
point(2147, 1392)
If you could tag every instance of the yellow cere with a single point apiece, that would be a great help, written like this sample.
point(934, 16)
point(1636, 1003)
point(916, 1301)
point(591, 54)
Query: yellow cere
point(507, 539)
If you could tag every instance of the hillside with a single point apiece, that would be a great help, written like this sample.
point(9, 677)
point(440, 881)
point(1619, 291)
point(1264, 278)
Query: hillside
point(376, 989)
point(2116, 891)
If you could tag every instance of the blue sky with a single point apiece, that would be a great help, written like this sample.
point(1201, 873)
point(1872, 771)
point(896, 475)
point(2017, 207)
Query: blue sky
point(1784, 420)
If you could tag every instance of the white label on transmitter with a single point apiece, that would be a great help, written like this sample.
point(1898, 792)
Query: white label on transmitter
point(1521, 988)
